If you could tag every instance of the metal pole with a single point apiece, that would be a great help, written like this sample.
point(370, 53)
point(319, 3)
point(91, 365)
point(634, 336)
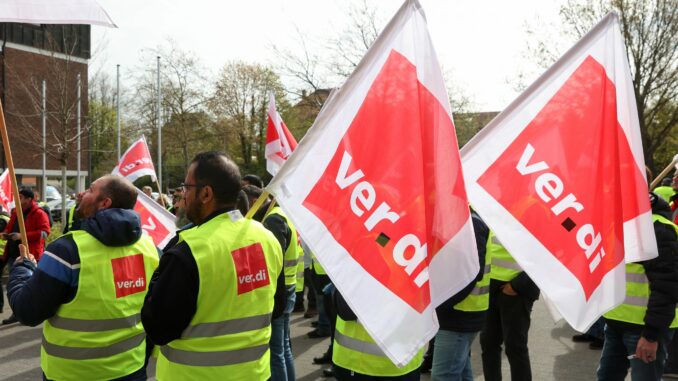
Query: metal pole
point(78, 185)
point(159, 132)
point(43, 191)
point(117, 107)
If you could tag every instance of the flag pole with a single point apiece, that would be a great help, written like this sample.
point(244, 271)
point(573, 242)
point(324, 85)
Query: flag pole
point(270, 206)
point(162, 199)
point(117, 106)
point(664, 172)
point(12, 178)
point(257, 205)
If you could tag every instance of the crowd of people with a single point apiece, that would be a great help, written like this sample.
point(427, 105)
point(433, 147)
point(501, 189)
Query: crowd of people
point(215, 303)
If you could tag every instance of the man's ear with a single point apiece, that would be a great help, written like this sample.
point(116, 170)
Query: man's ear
point(105, 203)
point(206, 194)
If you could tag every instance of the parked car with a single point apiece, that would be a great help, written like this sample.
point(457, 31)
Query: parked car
point(55, 208)
point(51, 193)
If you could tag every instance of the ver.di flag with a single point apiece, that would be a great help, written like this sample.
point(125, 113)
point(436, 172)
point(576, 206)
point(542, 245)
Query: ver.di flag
point(156, 221)
point(376, 190)
point(136, 162)
point(54, 12)
point(559, 177)
point(6, 196)
point(279, 141)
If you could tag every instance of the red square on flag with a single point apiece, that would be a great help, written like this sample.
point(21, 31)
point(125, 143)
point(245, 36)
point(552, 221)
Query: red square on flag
point(129, 275)
point(564, 178)
point(391, 179)
point(250, 268)
point(151, 225)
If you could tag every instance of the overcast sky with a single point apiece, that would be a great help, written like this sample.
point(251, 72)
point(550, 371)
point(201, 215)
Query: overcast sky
point(481, 42)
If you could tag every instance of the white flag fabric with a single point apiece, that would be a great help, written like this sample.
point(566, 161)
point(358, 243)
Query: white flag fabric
point(376, 190)
point(54, 12)
point(136, 162)
point(279, 141)
point(155, 220)
point(559, 177)
point(6, 195)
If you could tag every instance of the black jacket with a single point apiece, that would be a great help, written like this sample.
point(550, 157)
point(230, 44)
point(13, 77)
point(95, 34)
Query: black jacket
point(662, 273)
point(166, 313)
point(461, 321)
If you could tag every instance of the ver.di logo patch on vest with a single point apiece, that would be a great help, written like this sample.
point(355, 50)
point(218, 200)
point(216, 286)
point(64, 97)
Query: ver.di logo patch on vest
point(129, 275)
point(250, 268)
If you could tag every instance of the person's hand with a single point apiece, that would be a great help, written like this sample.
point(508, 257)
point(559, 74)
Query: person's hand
point(14, 236)
point(646, 350)
point(508, 290)
point(24, 254)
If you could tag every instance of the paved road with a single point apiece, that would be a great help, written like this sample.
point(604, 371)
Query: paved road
point(554, 355)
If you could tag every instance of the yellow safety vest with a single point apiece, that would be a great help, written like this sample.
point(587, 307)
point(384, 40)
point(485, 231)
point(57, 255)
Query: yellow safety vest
point(665, 192)
point(316, 266)
point(638, 291)
point(479, 298)
point(504, 266)
point(291, 256)
point(300, 271)
point(69, 221)
point(355, 350)
point(98, 335)
point(238, 262)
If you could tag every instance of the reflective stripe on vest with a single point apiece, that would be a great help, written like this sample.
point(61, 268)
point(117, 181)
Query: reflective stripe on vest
point(227, 338)
point(479, 298)
point(291, 256)
point(78, 353)
point(300, 271)
point(85, 325)
point(504, 267)
point(102, 323)
point(227, 327)
point(355, 350)
point(634, 307)
point(69, 221)
point(217, 358)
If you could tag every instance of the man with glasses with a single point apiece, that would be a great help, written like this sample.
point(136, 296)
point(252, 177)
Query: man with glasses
point(211, 300)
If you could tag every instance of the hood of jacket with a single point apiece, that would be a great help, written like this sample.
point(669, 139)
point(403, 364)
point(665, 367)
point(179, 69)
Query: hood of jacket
point(660, 206)
point(114, 227)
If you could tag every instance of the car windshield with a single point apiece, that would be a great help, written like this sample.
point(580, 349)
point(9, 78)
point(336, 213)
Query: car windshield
point(51, 193)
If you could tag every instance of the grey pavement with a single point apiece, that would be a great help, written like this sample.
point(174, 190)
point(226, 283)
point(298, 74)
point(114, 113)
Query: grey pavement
point(553, 354)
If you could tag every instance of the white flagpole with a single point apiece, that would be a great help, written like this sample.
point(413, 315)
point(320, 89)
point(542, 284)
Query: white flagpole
point(44, 140)
point(159, 132)
point(78, 181)
point(117, 106)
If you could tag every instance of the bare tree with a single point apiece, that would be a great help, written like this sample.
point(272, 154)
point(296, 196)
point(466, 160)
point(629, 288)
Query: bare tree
point(316, 68)
point(184, 96)
point(60, 73)
point(650, 31)
point(349, 47)
point(240, 102)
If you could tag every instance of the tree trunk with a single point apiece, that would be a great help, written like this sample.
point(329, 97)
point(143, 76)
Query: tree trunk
point(64, 192)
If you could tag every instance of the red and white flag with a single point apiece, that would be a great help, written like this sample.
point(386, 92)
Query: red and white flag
point(136, 162)
point(155, 220)
point(559, 177)
point(376, 190)
point(279, 141)
point(54, 12)
point(6, 196)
